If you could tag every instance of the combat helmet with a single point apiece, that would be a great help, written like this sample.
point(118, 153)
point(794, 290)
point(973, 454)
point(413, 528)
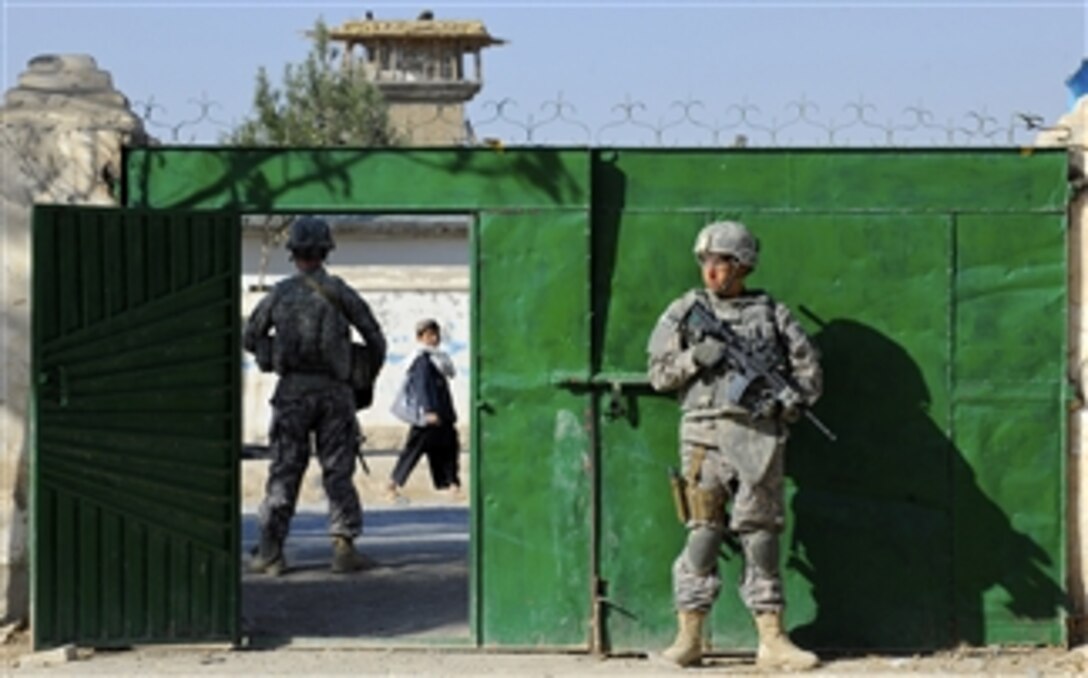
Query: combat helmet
point(729, 238)
point(310, 236)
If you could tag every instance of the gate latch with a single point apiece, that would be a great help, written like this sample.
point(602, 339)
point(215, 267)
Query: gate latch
point(619, 386)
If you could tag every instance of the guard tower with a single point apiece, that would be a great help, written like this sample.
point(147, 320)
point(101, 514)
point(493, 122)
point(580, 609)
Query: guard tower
point(419, 66)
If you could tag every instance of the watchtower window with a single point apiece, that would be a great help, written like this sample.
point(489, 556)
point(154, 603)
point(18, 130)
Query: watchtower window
point(414, 63)
point(449, 64)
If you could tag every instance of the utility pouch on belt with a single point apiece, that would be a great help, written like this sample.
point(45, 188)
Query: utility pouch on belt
point(679, 490)
point(692, 503)
point(705, 506)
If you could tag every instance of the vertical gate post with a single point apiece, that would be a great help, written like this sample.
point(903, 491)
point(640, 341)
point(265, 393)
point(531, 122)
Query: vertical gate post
point(1071, 131)
point(1077, 468)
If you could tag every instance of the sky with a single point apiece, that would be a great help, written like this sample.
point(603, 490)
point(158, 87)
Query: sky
point(741, 67)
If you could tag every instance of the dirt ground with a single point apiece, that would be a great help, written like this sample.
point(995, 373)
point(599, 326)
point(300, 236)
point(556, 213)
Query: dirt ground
point(417, 593)
point(309, 622)
point(312, 661)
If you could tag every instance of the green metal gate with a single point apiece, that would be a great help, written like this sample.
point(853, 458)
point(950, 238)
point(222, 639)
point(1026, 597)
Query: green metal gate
point(937, 297)
point(135, 427)
point(934, 283)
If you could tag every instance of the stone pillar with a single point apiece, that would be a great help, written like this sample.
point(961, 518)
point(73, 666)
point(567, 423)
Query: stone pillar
point(1072, 131)
point(62, 128)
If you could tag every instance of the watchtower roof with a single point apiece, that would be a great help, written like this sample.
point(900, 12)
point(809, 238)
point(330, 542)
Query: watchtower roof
point(471, 34)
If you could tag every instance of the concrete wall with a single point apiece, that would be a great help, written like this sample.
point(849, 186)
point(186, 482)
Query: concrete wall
point(14, 381)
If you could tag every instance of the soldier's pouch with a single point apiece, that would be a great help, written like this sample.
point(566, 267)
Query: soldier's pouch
point(678, 489)
point(706, 506)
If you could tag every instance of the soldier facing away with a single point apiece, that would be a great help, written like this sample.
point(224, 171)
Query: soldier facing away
point(301, 330)
point(732, 449)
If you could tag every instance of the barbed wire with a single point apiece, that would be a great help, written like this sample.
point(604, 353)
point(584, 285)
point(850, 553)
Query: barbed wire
point(686, 122)
point(682, 122)
point(194, 125)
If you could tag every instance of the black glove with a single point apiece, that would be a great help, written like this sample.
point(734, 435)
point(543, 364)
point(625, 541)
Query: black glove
point(708, 352)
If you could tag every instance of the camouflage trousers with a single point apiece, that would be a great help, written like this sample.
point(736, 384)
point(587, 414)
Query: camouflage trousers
point(756, 512)
point(329, 414)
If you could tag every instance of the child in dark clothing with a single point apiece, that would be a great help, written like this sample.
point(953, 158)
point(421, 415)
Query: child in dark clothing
point(426, 404)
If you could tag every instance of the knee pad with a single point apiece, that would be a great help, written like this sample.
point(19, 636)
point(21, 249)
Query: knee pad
point(761, 551)
point(702, 549)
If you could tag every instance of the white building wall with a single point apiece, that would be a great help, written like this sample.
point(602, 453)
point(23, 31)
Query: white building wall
point(404, 279)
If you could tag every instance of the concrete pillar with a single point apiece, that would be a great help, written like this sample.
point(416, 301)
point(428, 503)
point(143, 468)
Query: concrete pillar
point(61, 132)
point(1072, 131)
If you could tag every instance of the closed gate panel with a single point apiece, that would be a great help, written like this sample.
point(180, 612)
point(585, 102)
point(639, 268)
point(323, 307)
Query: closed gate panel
point(1008, 424)
point(532, 464)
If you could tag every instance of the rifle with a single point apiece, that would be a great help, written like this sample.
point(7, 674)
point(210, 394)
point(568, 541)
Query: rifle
point(756, 381)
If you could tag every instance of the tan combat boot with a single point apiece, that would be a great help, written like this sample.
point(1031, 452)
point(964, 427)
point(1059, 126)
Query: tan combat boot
point(687, 649)
point(268, 557)
point(776, 650)
point(345, 558)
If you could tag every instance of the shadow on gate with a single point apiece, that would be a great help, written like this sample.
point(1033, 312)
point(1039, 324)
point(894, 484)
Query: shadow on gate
point(901, 546)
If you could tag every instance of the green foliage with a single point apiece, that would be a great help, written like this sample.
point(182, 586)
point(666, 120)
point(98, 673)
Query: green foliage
point(320, 103)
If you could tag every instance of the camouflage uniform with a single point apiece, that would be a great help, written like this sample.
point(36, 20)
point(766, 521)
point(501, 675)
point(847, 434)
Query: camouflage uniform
point(741, 456)
point(732, 439)
point(312, 355)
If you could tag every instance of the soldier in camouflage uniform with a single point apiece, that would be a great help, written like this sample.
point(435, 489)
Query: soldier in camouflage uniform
point(311, 314)
point(729, 453)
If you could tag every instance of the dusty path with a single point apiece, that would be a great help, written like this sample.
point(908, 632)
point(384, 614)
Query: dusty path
point(418, 593)
point(1030, 663)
